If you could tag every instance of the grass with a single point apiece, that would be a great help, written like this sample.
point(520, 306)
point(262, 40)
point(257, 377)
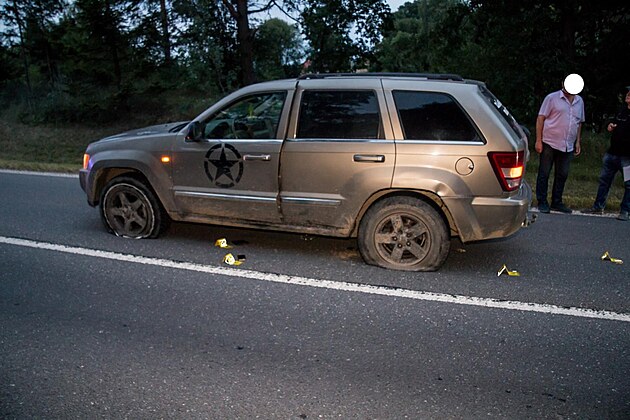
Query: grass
point(58, 148)
point(46, 147)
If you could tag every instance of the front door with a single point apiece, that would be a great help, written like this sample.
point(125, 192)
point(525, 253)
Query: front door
point(232, 172)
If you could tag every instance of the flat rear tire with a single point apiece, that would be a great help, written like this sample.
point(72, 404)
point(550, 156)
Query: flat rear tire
point(404, 233)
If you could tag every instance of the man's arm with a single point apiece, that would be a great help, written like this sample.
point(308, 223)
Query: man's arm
point(578, 141)
point(540, 122)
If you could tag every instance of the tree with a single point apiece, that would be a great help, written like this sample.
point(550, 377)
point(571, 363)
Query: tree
point(277, 50)
point(241, 11)
point(342, 33)
point(27, 23)
point(208, 43)
point(425, 36)
point(525, 48)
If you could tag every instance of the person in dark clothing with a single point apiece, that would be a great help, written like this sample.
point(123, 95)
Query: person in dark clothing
point(616, 159)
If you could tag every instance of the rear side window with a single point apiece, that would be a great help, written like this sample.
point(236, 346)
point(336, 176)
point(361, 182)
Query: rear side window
point(339, 114)
point(433, 116)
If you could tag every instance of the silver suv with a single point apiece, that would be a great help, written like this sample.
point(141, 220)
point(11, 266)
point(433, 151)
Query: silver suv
point(403, 162)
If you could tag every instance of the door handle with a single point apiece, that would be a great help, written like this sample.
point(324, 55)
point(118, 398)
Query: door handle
point(263, 158)
point(369, 158)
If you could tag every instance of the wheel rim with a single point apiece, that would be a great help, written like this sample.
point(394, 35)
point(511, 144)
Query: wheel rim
point(402, 239)
point(128, 211)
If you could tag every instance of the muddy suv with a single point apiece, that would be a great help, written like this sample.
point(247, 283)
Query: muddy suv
point(403, 162)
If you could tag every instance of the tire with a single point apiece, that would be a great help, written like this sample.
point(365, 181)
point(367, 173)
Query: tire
point(131, 210)
point(404, 233)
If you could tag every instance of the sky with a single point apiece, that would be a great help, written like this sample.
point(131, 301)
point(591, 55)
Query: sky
point(393, 4)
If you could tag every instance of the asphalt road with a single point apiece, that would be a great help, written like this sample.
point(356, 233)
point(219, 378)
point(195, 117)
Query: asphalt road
point(90, 330)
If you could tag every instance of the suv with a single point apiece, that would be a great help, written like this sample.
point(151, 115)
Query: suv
point(403, 162)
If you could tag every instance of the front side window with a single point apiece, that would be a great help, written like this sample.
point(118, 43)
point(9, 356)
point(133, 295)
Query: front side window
point(339, 114)
point(253, 117)
point(433, 116)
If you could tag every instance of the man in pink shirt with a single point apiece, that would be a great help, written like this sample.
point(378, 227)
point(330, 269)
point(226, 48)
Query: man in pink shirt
point(558, 135)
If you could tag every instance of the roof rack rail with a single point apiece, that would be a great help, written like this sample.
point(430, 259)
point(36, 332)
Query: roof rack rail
point(429, 76)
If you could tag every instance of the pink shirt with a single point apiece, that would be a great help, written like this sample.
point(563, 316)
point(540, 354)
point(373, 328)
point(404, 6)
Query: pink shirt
point(562, 120)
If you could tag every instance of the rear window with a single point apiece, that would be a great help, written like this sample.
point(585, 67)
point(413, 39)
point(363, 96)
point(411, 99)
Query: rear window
point(433, 116)
point(351, 114)
point(505, 113)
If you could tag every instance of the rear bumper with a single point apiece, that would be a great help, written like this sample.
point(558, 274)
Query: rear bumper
point(482, 218)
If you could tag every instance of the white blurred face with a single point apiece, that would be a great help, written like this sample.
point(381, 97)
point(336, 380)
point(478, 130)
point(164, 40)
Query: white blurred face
point(573, 84)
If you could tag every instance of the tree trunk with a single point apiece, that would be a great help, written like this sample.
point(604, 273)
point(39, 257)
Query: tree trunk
point(166, 43)
point(110, 39)
point(245, 40)
point(567, 21)
point(29, 90)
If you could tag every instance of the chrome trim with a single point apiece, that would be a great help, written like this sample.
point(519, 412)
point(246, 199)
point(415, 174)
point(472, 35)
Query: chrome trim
point(386, 141)
point(311, 201)
point(369, 158)
point(263, 158)
point(225, 196)
point(455, 143)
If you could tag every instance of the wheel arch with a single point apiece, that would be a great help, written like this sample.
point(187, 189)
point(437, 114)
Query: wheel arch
point(428, 197)
point(105, 173)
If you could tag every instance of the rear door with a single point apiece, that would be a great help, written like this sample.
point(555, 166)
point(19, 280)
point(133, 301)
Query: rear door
point(338, 152)
point(232, 173)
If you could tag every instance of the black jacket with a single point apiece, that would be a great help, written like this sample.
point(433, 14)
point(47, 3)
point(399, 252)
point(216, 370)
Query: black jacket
point(620, 139)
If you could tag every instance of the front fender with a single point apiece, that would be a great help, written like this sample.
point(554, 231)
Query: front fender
point(108, 165)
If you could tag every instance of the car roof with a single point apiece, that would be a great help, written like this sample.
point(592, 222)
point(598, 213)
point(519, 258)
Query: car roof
point(423, 76)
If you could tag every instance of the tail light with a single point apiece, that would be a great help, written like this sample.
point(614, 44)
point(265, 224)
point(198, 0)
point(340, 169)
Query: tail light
point(509, 168)
point(86, 161)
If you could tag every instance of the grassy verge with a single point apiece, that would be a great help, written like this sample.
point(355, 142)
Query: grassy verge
point(46, 147)
point(60, 149)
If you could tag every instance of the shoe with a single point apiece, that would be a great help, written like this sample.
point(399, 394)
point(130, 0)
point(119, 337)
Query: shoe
point(623, 216)
point(561, 208)
point(593, 210)
point(543, 207)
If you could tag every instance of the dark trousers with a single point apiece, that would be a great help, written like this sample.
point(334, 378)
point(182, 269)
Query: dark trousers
point(612, 164)
point(560, 161)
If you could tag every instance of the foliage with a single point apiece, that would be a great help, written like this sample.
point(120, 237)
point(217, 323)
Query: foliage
point(103, 60)
point(277, 50)
point(342, 33)
point(522, 49)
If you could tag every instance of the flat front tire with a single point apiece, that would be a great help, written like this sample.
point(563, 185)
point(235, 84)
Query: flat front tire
point(131, 210)
point(404, 233)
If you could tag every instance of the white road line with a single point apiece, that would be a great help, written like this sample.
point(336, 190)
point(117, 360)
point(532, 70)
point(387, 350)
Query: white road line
point(326, 284)
point(54, 174)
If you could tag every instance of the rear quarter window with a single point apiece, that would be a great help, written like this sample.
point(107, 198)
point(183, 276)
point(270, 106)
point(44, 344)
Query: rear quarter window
point(433, 116)
point(503, 111)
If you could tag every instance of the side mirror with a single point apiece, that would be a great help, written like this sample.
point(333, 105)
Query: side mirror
point(195, 132)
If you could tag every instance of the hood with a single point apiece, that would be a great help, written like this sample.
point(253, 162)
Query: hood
point(150, 131)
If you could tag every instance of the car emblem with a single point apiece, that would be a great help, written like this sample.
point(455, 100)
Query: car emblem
point(224, 165)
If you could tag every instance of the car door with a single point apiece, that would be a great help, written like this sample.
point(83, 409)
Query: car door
point(337, 153)
point(231, 172)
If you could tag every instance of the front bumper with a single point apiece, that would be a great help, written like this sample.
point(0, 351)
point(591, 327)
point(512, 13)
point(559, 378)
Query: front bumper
point(87, 185)
point(83, 176)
